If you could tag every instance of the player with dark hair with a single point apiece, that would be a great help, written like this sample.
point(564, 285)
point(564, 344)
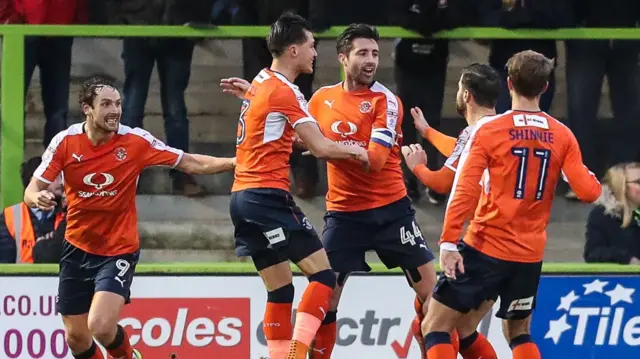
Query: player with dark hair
point(477, 95)
point(478, 90)
point(269, 226)
point(518, 158)
point(366, 209)
point(101, 160)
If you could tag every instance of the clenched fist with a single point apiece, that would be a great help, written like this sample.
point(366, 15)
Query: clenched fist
point(414, 155)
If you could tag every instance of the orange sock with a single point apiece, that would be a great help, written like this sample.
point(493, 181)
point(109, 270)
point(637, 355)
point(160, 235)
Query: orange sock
point(526, 351)
point(121, 347)
point(277, 329)
point(438, 346)
point(325, 340)
point(455, 341)
point(441, 351)
point(416, 330)
point(417, 305)
point(311, 312)
point(476, 346)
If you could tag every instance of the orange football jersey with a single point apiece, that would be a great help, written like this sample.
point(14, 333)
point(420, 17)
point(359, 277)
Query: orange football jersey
point(100, 184)
point(517, 157)
point(368, 118)
point(272, 108)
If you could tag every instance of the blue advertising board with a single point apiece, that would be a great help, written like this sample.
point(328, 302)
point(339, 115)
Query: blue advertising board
point(588, 317)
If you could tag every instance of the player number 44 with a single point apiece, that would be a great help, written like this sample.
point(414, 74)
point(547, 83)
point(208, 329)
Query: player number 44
point(410, 235)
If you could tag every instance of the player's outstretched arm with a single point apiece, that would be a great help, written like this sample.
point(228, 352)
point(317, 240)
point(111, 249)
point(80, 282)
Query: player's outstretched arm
point(205, 165)
point(36, 195)
point(323, 148)
point(582, 181)
point(443, 143)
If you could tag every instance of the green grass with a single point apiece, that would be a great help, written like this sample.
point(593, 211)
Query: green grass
point(242, 268)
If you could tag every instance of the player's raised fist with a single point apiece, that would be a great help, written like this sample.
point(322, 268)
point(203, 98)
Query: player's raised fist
point(45, 200)
point(419, 121)
point(414, 155)
point(235, 86)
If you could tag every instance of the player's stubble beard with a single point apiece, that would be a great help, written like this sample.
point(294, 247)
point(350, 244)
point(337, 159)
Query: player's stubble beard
point(363, 79)
point(461, 107)
point(103, 126)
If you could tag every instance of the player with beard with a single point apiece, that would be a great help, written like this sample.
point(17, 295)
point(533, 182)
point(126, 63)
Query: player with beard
point(518, 158)
point(101, 160)
point(366, 209)
point(478, 90)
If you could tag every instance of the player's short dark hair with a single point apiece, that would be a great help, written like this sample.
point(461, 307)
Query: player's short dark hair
point(89, 87)
point(28, 168)
point(483, 82)
point(344, 45)
point(289, 29)
point(529, 72)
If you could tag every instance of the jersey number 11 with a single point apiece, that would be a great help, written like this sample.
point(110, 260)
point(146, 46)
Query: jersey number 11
point(523, 154)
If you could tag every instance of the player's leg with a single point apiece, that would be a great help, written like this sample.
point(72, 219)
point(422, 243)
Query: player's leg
point(422, 280)
point(314, 305)
point(251, 240)
point(454, 298)
point(75, 292)
point(325, 340)
point(276, 274)
point(399, 243)
point(517, 302)
point(474, 345)
point(346, 238)
point(113, 279)
point(518, 335)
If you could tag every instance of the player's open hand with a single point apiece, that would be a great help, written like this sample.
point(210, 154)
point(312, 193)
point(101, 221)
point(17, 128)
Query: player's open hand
point(450, 262)
point(419, 121)
point(235, 86)
point(45, 200)
point(414, 155)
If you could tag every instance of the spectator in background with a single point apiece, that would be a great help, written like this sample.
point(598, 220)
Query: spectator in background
point(513, 14)
point(51, 54)
point(256, 56)
point(420, 72)
point(613, 227)
point(173, 59)
point(588, 61)
point(30, 235)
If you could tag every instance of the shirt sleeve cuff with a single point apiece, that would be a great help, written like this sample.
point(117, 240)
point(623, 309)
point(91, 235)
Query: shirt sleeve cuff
point(418, 168)
point(449, 246)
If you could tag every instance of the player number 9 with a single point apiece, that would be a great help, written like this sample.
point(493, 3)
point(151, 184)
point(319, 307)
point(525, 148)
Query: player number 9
point(123, 266)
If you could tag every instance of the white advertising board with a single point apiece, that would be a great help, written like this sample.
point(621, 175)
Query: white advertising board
point(216, 317)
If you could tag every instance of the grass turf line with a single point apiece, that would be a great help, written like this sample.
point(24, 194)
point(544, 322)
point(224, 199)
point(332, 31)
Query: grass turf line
point(240, 267)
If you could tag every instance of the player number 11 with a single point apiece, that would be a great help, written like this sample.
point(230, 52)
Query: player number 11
point(521, 178)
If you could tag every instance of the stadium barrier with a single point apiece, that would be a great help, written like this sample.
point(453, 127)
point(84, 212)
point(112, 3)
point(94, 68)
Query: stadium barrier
point(12, 112)
point(215, 311)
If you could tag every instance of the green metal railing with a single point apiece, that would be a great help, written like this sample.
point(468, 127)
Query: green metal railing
point(12, 97)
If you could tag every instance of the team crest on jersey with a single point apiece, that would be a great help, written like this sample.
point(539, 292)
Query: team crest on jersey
point(120, 153)
point(365, 106)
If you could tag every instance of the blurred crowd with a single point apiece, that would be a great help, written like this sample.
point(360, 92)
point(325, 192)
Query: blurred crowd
point(420, 70)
